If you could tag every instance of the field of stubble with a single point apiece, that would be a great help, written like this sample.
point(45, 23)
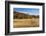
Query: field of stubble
point(18, 23)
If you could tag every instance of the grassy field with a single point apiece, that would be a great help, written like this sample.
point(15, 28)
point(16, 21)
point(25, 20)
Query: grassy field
point(18, 23)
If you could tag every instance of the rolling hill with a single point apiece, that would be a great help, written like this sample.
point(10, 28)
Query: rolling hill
point(18, 15)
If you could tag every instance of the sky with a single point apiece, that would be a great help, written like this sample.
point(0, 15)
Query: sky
point(31, 11)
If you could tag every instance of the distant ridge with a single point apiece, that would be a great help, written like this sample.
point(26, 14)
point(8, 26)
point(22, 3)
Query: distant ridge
point(28, 13)
point(19, 15)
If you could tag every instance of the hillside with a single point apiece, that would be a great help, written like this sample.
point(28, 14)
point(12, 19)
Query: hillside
point(18, 15)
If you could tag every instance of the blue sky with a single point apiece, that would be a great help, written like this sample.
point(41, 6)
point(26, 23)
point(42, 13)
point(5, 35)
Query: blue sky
point(28, 10)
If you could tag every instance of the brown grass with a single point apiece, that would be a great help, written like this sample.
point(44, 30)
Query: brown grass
point(26, 22)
